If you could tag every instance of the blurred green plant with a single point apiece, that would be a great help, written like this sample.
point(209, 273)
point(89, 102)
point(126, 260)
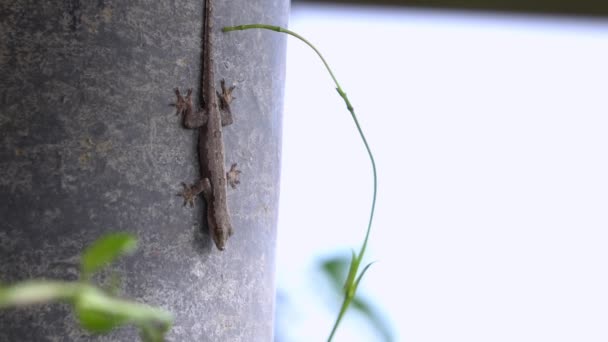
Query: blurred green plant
point(353, 277)
point(98, 310)
point(336, 268)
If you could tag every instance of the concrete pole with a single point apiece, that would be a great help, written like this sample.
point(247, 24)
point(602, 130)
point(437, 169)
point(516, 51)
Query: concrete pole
point(90, 145)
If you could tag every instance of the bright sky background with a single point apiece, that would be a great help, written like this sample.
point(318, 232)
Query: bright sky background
point(490, 134)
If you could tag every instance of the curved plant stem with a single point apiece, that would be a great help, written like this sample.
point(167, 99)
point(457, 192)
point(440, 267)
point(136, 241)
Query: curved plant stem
point(352, 281)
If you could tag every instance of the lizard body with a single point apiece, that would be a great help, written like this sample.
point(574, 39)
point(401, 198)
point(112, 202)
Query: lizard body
point(214, 179)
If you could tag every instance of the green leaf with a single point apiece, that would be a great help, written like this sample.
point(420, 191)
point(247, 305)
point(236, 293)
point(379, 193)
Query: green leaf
point(362, 274)
point(99, 313)
point(335, 268)
point(352, 273)
point(373, 317)
point(91, 312)
point(153, 333)
point(96, 321)
point(104, 251)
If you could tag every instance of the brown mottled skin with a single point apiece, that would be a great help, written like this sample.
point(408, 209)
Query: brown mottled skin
point(210, 121)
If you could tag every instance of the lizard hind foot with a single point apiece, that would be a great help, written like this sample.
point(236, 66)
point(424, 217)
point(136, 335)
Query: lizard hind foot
point(233, 176)
point(189, 194)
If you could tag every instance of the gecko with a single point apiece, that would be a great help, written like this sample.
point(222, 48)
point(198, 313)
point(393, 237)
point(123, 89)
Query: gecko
point(213, 176)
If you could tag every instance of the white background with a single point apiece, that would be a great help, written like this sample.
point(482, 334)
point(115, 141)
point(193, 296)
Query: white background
point(491, 136)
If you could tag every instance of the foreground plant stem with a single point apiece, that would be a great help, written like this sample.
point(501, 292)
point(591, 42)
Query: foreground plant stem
point(352, 280)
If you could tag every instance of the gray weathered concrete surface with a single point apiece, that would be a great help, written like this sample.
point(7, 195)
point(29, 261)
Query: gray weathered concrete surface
point(90, 145)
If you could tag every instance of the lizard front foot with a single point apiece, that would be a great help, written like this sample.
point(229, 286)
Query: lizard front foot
point(189, 194)
point(233, 176)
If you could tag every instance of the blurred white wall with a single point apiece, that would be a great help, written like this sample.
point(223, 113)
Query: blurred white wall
point(491, 138)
